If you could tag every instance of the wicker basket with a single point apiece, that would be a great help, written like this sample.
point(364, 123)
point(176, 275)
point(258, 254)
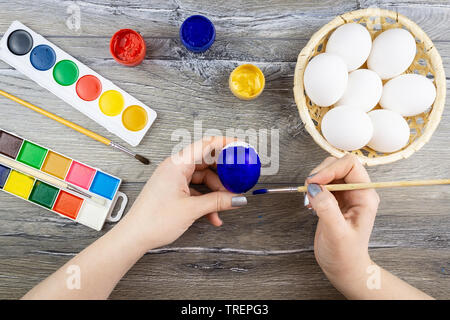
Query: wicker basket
point(427, 62)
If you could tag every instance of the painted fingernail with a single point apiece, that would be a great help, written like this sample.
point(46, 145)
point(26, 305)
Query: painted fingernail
point(238, 201)
point(314, 189)
point(306, 202)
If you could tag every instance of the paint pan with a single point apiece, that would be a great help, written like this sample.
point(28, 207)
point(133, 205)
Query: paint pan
point(76, 84)
point(63, 202)
point(9, 144)
point(4, 173)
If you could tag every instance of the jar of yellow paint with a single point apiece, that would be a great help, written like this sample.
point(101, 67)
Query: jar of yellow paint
point(247, 82)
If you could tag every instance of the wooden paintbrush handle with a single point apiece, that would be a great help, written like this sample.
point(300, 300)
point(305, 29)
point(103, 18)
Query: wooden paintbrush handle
point(378, 185)
point(32, 172)
point(59, 119)
point(48, 179)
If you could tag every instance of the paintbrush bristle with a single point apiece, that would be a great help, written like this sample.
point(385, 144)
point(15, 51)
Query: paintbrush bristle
point(142, 159)
point(260, 191)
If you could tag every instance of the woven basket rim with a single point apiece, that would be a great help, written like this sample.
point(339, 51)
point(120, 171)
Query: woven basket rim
point(436, 62)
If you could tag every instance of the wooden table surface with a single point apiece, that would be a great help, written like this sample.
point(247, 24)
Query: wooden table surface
point(264, 250)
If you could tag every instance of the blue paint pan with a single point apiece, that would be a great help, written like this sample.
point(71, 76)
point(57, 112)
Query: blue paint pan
point(104, 185)
point(43, 57)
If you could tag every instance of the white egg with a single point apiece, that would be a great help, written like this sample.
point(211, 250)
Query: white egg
point(392, 53)
point(352, 42)
point(347, 128)
point(408, 94)
point(390, 131)
point(364, 88)
point(325, 79)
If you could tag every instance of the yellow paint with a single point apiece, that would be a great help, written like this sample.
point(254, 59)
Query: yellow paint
point(134, 118)
point(247, 82)
point(111, 103)
point(56, 165)
point(19, 184)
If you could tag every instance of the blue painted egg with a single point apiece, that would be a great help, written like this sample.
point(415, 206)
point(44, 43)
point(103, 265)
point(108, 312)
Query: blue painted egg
point(238, 167)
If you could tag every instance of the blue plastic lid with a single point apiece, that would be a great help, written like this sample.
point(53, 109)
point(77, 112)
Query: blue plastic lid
point(197, 33)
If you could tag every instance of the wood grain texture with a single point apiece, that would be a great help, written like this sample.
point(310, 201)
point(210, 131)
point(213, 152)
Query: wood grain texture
point(265, 249)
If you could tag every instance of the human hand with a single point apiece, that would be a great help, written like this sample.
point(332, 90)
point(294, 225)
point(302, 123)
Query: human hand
point(346, 220)
point(167, 206)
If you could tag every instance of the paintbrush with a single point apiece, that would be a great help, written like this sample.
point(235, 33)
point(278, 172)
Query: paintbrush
point(357, 186)
point(75, 127)
point(48, 179)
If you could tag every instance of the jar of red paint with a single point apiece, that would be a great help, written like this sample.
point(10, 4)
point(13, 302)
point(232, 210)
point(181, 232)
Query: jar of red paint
point(127, 47)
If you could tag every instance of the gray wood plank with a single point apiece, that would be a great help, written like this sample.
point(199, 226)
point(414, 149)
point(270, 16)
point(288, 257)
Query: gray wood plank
point(161, 18)
point(198, 275)
point(268, 223)
point(431, 16)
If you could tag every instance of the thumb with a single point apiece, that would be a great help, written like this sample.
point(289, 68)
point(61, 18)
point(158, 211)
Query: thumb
point(326, 207)
point(210, 202)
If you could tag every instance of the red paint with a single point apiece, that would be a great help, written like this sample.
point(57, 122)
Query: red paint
point(127, 47)
point(67, 204)
point(89, 87)
point(80, 175)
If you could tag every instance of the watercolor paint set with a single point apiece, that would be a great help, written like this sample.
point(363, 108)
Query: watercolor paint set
point(76, 84)
point(17, 152)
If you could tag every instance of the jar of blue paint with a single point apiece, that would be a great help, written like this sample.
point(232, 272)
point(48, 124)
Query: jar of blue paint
point(238, 167)
point(197, 33)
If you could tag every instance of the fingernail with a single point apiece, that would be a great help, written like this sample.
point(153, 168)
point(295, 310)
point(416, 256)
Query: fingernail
point(306, 202)
point(238, 201)
point(310, 176)
point(314, 189)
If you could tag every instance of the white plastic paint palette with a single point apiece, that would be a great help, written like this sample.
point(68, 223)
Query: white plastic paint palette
point(51, 197)
point(76, 84)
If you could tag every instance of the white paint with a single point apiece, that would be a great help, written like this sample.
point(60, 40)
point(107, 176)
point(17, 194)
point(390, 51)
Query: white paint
point(92, 215)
